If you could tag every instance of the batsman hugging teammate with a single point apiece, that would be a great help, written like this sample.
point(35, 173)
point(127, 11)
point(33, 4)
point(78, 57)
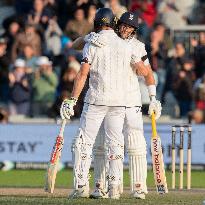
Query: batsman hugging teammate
point(113, 94)
point(133, 126)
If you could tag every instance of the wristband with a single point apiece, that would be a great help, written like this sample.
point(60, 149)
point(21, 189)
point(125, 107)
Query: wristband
point(152, 90)
point(74, 100)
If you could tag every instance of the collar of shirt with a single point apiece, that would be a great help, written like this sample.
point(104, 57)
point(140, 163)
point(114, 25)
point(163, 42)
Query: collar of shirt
point(107, 31)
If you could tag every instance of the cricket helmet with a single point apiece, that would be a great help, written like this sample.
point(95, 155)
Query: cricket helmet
point(130, 19)
point(104, 17)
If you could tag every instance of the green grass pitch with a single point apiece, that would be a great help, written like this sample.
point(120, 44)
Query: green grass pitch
point(35, 178)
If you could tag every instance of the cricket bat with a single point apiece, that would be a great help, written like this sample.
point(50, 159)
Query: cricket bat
point(157, 160)
point(53, 163)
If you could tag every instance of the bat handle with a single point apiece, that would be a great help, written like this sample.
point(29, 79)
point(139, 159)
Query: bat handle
point(62, 127)
point(154, 128)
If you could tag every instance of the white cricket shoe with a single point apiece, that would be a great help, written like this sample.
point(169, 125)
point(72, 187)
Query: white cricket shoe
point(139, 195)
point(99, 194)
point(114, 192)
point(82, 192)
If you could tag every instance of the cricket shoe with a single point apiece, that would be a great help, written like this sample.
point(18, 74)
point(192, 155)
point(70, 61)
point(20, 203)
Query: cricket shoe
point(99, 194)
point(138, 195)
point(82, 192)
point(114, 192)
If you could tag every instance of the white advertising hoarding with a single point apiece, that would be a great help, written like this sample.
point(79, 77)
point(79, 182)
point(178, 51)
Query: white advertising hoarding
point(33, 143)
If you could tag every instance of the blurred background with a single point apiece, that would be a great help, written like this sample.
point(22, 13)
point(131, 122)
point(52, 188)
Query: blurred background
point(38, 68)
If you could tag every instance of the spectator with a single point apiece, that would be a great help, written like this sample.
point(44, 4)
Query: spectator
point(147, 14)
point(183, 87)
point(41, 13)
point(199, 10)
point(157, 52)
point(53, 35)
point(29, 36)
point(20, 89)
point(174, 66)
point(51, 5)
point(147, 10)
point(12, 27)
point(197, 116)
point(44, 87)
point(91, 15)
point(30, 58)
point(66, 86)
point(185, 7)
point(66, 43)
point(69, 77)
point(23, 6)
point(116, 7)
point(170, 14)
point(4, 70)
point(199, 54)
point(163, 35)
point(69, 56)
point(79, 26)
point(36, 13)
point(83, 4)
point(199, 89)
point(4, 116)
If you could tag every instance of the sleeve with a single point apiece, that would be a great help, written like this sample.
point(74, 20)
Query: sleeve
point(144, 56)
point(136, 55)
point(87, 54)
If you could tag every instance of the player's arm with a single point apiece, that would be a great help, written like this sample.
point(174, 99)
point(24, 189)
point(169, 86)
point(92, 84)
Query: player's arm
point(140, 60)
point(79, 43)
point(149, 78)
point(141, 69)
point(144, 69)
point(66, 110)
point(80, 80)
point(155, 105)
point(93, 38)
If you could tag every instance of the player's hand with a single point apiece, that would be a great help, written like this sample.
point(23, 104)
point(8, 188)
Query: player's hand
point(95, 39)
point(155, 106)
point(66, 110)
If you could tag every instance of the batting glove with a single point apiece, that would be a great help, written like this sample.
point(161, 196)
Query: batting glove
point(155, 106)
point(95, 39)
point(66, 110)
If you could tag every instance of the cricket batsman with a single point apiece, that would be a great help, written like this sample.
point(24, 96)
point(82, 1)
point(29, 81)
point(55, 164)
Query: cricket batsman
point(133, 125)
point(106, 99)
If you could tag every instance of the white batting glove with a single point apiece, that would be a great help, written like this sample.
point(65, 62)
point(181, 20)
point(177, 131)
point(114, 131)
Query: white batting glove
point(95, 39)
point(66, 110)
point(155, 106)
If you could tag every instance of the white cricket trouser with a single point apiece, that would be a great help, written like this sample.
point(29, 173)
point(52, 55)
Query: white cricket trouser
point(136, 148)
point(90, 122)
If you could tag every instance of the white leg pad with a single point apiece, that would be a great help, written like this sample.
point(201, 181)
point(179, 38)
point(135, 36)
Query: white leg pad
point(115, 158)
point(99, 153)
point(136, 148)
point(82, 157)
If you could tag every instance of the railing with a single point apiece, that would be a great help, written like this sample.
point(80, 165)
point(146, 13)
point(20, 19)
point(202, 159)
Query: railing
point(185, 34)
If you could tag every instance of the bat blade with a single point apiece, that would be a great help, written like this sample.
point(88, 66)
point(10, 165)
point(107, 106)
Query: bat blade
point(157, 160)
point(53, 163)
point(158, 166)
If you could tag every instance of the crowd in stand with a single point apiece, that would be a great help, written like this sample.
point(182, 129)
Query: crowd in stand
point(38, 65)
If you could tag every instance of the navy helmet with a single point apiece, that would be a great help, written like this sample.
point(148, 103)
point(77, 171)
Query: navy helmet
point(104, 17)
point(130, 19)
